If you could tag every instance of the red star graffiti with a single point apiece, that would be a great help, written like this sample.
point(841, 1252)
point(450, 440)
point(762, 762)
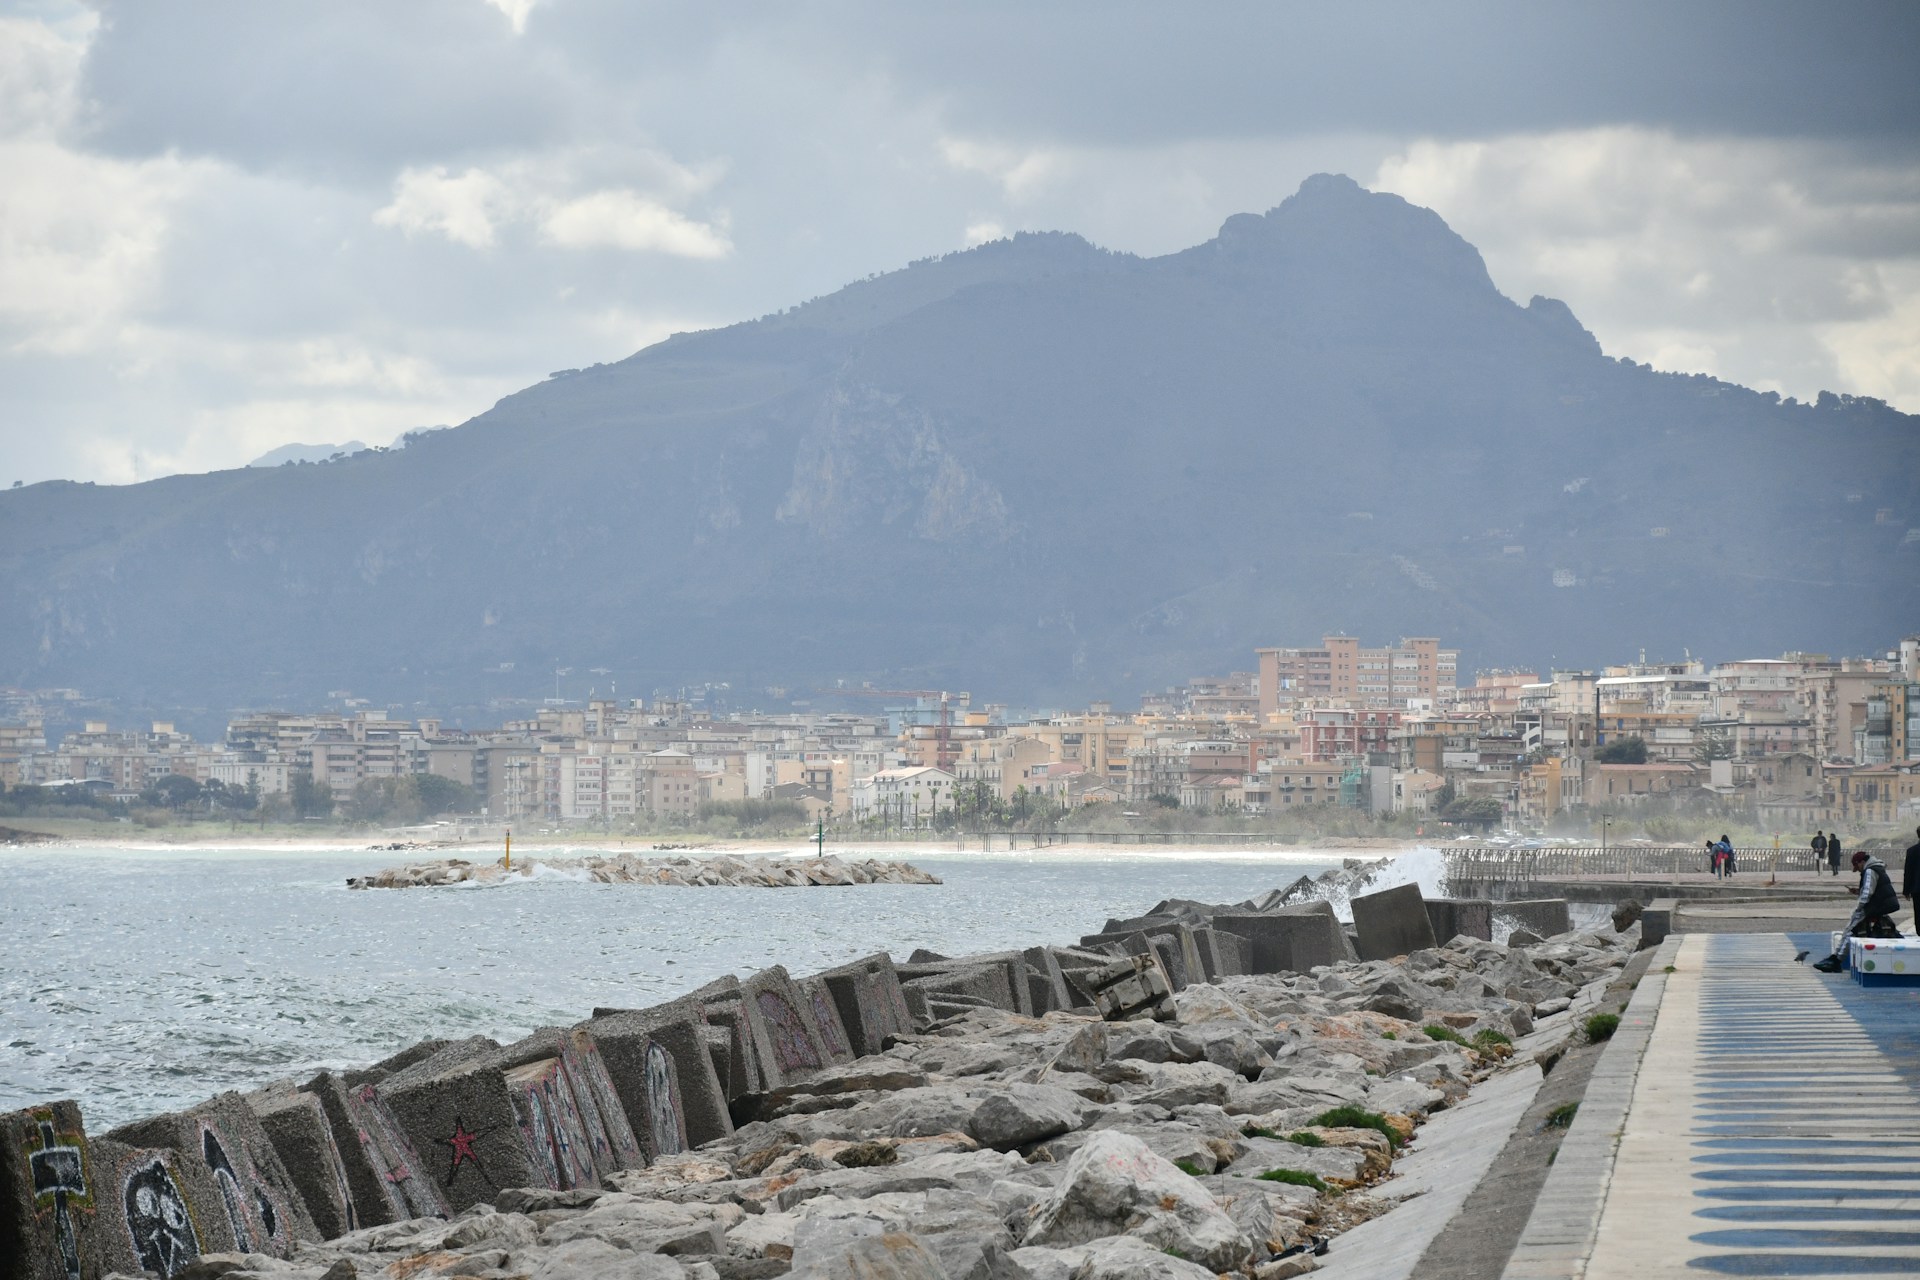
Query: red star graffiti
point(461, 1144)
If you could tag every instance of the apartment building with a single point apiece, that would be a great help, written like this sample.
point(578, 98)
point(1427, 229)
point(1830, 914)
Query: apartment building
point(1343, 673)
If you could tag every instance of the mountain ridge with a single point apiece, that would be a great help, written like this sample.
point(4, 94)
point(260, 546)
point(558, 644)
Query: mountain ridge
point(1035, 467)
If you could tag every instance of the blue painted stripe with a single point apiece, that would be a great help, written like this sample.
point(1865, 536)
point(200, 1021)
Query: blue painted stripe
point(1801, 1213)
point(1804, 1264)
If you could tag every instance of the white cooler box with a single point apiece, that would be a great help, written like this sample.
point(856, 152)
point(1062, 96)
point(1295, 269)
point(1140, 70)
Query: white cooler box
point(1884, 962)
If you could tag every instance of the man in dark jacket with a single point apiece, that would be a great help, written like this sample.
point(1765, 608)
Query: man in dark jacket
point(1910, 879)
point(1835, 847)
point(1872, 911)
point(1819, 851)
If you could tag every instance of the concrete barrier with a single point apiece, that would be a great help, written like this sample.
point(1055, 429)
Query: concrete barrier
point(1544, 916)
point(1460, 917)
point(226, 1159)
point(296, 1124)
point(1392, 922)
point(866, 993)
point(385, 1176)
point(662, 1068)
point(1656, 922)
point(1295, 938)
point(786, 1038)
point(54, 1208)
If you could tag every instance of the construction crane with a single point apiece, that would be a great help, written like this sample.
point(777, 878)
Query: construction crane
point(944, 751)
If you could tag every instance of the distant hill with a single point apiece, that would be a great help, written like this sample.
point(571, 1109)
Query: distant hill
point(1035, 469)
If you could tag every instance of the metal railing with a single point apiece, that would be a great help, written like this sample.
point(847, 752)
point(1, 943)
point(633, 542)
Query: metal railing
point(1495, 862)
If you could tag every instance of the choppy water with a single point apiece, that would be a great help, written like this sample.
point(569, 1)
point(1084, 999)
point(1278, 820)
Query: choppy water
point(140, 980)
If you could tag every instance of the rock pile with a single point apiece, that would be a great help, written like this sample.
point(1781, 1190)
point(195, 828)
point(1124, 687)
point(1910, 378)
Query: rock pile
point(737, 870)
point(1172, 1098)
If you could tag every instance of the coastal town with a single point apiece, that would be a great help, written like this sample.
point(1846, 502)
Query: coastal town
point(1792, 743)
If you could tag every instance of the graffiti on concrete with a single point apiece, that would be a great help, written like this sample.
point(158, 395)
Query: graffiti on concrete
point(460, 1145)
point(792, 1048)
point(60, 1188)
point(829, 1019)
point(663, 1103)
point(157, 1220)
point(228, 1181)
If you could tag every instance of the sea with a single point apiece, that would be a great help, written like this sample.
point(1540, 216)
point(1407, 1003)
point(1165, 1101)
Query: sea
point(137, 980)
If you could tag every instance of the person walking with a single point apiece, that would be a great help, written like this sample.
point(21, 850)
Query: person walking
point(1910, 878)
point(1819, 851)
point(1835, 847)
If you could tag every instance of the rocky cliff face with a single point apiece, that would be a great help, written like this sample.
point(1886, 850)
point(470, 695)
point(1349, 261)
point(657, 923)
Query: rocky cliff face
point(1036, 468)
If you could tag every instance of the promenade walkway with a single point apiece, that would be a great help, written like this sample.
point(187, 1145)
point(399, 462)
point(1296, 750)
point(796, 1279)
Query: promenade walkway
point(1753, 1117)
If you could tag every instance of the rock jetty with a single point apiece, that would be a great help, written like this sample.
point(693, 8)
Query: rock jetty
point(1203, 1090)
point(736, 870)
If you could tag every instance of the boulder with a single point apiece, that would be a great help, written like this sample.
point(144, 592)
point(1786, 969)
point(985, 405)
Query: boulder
point(1117, 1258)
point(1022, 1114)
point(1116, 1185)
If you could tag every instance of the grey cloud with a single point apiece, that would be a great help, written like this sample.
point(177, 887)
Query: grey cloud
point(350, 86)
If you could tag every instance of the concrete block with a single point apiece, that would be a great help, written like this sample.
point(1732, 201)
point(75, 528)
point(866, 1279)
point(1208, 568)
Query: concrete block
point(152, 1214)
point(1292, 939)
point(826, 1016)
point(1392, 922)
point(866, 993)
point(603, 1120)
point(1155, 923)
point(296, 1124)
point(1135, 987)
point(988, 984)
point(552, 1123)
point(488, 1126)
point(400, 1061)
point(1046, 984)
point(385, 1176)
point(50, 1195)
point(1015, 963)
point(1165, 948)
point(1222, 954)
point(661, 1067)
point(786, 1037)
point(1460, 917)
point(1544, 916)
point(221, 1144)
point(1656, 922)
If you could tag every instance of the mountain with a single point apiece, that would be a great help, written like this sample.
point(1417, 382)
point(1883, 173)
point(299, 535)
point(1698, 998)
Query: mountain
point(1036, 469)
point(305, 453)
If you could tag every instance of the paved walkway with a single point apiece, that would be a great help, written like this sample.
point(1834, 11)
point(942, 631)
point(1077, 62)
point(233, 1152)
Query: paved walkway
point(1773, 1124)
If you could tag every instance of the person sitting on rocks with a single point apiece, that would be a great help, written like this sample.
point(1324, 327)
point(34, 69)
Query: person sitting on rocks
point(1872, 912)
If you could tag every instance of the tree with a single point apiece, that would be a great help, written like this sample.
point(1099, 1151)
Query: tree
point(1628, 750)
point(444, 795)
point(310, 799)
point(1484, 810)
point(172, 790)
point(1714, 746)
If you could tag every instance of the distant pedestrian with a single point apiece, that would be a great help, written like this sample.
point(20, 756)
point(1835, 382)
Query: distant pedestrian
point(1713, 859)
point(1910, 879)
point(1726, 851)
point(1819, 851)
point(1835, 847)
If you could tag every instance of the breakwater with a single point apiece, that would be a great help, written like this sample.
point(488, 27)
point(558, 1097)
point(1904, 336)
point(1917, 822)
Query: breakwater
point(737, 871)
point(1104, 1107)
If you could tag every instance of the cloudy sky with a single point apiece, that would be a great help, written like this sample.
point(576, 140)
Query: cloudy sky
point(226, 225)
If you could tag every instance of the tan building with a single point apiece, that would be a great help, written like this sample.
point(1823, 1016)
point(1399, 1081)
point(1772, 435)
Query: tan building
point(1885, 794)
point(1342, 673)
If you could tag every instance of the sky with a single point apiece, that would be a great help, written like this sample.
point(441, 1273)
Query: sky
point(228, 226)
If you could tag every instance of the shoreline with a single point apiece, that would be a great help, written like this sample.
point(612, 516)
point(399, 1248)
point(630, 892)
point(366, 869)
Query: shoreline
point(669, 846)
